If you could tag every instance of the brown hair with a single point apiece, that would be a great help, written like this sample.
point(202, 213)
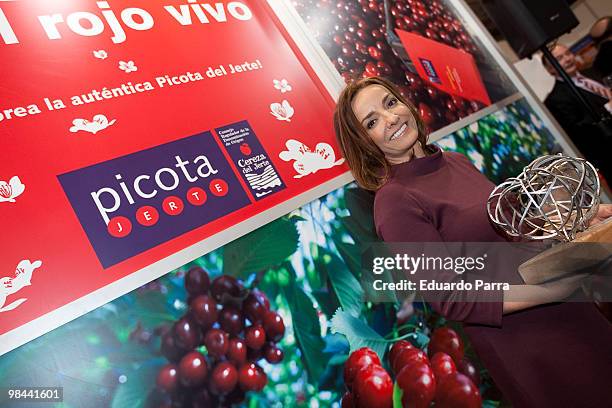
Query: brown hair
point(366, 161)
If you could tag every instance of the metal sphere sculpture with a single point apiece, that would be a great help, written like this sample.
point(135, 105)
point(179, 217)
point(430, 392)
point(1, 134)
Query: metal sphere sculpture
point(554, 197)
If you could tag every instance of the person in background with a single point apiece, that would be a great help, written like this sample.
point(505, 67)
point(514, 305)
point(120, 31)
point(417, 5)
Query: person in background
point(601, 33)
point(573, 116)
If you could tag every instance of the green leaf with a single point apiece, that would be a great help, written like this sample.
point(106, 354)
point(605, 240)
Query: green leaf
point(358, 333)
point(360, 203)
point(307, 330)
point(133, 393)
point(357, 231)
point(262, 249)
point(338, 359)
point(345, 286)
point(350, 254)
point(152, 301)
point(397, 396)
point(327, 301)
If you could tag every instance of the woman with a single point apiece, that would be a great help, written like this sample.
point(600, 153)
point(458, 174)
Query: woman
point(533, 348)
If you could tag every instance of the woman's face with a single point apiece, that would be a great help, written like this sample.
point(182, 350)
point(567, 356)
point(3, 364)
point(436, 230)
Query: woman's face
point(387, 121)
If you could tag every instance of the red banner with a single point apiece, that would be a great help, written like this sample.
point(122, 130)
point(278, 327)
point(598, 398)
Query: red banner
point(449, 69)
point(133, 130)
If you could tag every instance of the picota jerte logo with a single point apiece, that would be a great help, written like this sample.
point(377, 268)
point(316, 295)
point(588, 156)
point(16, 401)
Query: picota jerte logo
point(135, 202)
point(432, 75)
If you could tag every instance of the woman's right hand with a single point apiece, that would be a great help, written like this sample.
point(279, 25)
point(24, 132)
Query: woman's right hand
point(521, 297)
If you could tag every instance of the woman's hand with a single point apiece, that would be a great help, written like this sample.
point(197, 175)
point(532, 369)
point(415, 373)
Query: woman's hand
point(521, 297)
point(603, 212)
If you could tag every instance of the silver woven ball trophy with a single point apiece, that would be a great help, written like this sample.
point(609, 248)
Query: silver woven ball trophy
point(554, 198)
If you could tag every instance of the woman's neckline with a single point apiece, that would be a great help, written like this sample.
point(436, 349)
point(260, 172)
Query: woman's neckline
point(419, 166)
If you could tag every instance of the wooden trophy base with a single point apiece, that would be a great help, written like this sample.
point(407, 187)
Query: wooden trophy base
point(590, 248)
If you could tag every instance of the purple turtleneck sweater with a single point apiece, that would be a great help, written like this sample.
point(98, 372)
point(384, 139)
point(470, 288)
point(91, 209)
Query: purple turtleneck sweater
point(441, 198)
point(555, 355)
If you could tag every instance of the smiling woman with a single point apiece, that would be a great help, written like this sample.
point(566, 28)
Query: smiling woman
point(377, 127)
point(426, 195)
point(389, 122)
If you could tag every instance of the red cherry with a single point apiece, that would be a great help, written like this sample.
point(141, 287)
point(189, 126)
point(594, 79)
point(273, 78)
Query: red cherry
point(358, 359)
point(408, 356)
point(466, 368)
point(167, 378)
point(383, 67)
point(216, 342)
point(348, 400)
point(237, 351)
point(186, 333)
point(432, 92)
point(361, 47)
point(169, 348)
point(262, 378)
point(255, 306)
point(442, 365)
point(231, 320)
point(457, 391)
point(250, 377)
point(363, 24)
point(415, 82)
point(225, 285)
point(450, 116)
point(401, 24)
point(273, 354)
point(373, 388)
point(396, 348)
point(375, 52)
point(409, 22)
point(446, 340)
point(418, 385)
point(224, 378)
point(348, 50)
point(342, 62)
point(274, 326)
point(245, 149)
point(458, 102)
point(426, 114)
point(204, 311)
point(371, 70)
point(197, 281)
point(431, 34)
point(193, 369)
point(255, 337)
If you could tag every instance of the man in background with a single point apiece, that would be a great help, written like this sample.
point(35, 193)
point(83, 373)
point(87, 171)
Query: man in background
point(574, 117)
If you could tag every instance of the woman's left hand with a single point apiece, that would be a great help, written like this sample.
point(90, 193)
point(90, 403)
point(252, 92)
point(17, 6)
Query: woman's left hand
point(603, 212)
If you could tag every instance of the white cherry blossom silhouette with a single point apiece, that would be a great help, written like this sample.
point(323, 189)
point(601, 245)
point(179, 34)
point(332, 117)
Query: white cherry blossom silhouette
point(309, 162)
point(99, 122)
point(282, 111)
point(101, 54)
point(11, 190)
point(128, 66)
point(10, 285)
point(282, 85)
